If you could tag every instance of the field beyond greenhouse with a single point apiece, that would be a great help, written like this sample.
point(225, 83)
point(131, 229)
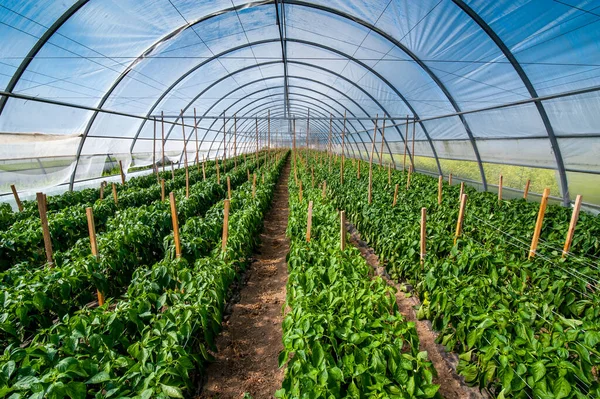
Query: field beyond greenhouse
point(302, 274)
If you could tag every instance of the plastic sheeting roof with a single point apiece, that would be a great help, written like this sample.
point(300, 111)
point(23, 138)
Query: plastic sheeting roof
point(505, 82)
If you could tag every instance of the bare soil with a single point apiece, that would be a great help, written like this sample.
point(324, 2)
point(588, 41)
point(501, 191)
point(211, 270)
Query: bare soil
point(452, 386)
point(251, 340)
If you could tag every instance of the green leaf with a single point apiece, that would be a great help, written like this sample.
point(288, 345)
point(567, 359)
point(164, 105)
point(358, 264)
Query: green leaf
point(538, 370)
point(99, 378)
point(171, 391)
point(561, 388)
point(76, 390)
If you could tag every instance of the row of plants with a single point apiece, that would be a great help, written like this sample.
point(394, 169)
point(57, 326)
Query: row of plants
point(155, 340)
point(523, 328)
point(23, 242)
point(343, 335)
point(32, 298)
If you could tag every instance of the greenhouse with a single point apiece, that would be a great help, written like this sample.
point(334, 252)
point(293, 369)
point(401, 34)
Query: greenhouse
point(300, 199)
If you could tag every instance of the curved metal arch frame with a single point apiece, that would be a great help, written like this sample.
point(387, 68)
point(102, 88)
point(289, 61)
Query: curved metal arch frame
point(472, 14)
point(261, 125)
point(531, 90)
point(325, 95)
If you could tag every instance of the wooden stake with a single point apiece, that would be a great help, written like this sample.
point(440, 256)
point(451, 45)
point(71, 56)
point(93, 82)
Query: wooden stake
point(461, 215)
point(571, 231)
point(114, 191)
point(228, 188)
point(538, 223)
point(423, 234)
point(412, 153)
point(187, 182)
point(203, 168)
point(102, 190)
point(526, 192)
point(462, 190)
point(358, 171)
point(343, 152)
point(122, 174)
point(254, 186)
point(389, 173)
point(175, 221)
point(93, 244)
point(450, 179)
point(408, 177)
point(218, 174)
point(45, 230)
point(500, 181)
point(405, 145)
point(17, 199)
point(395, 195)
point(342, 230)
point(309, 221)
point(370, 189)
point(162, 190)
point(197, 146)
point(300, 192)
point(440, 184)
point(324, 189)
point(248, 171)
point(312, 176)
point(225, 225)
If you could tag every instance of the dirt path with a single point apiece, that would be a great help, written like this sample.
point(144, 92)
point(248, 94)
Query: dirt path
point(251, 337)
point(451, 385)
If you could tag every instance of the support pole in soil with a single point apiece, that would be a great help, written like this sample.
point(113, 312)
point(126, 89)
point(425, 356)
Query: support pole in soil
point(450, 179)
point(175, 221)
point(115, 197)
point(342, 230)
point(358, 171)
point(539, 222)
point(408, 177)
point(102, 190)
point(228, 188)
point(571, 231)
point(300, 192)
point(203, 168)
point(17, 199)
point(324, 189)
point(121, 171)
point(342, 163)
point(93, 244)
point(162, 118)
point(162, 190)
point(413, 144)
point(218, 172)
point(440, 185)
point(500, 182)
point(461, 215)
point(225, 225)
point(197, 146)
point(370, 190)
point(389, 173)
point(462, 190)
point(185, 159)
point(254, 186)
point(41, 201)
point(382, 140)
point(526, 192)
point(309, 221)
point(405, 145)
point(395, 195)
point(423, 234)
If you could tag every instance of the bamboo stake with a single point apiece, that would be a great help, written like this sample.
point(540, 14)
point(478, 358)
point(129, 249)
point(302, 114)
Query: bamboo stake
point(382, 140)
point(500, 181)
point(17, 199)
point(461, 215)
point(526, 192)
point(342, 230)
point(450, 179)
point(93, 244)
point(358, 171)
point(254, 186)
point(187, 182)
point(405, 145)
point(413, 144)
point(102, 190)
point(175, 221)
point(538, 223)
point(45, 230)
point(423, 235)
point(395, 195)
point(114, 191)
point(440, 184)
point(197, 145)
point(300, 192)
point(572, 224)
point(218, 173)
point(309, 221)
point(408, 178)
point(324, 189)
point(225, 225)
point(122, 174)
point(162, 190)
point(462, 190)
point(162, 118)
point(342, 163)
point(228, 188)
point(389, 173)
point(370, 189)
